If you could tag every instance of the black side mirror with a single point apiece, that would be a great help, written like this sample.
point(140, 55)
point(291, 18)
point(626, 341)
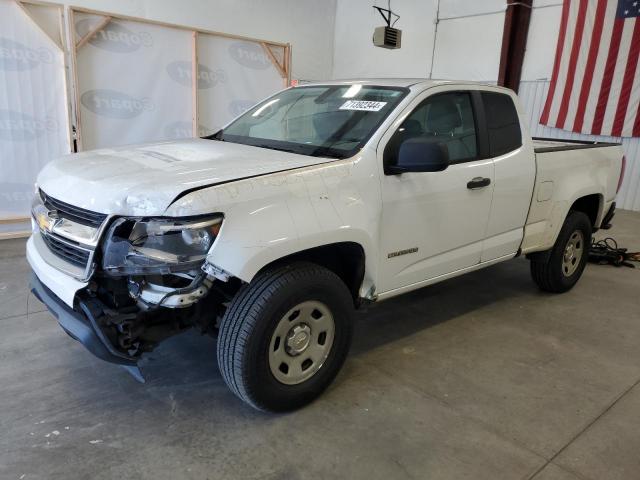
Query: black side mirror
point(420, 154)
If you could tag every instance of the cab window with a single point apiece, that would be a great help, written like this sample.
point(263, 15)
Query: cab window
point(445, 117)
point(502, 123)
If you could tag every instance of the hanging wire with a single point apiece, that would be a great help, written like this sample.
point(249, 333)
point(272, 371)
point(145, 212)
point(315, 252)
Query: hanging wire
point(387, 14)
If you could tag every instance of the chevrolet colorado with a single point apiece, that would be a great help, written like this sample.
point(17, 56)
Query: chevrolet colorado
point(272, 231)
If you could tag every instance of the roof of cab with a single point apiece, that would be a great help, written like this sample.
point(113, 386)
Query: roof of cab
point(398, 82)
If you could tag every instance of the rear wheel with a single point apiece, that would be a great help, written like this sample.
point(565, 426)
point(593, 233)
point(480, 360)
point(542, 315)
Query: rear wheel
point(285, 336)
point(560, 268)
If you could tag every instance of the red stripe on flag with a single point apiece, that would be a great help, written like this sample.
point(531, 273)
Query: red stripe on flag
point(594, 46)
point(544, 119)
point(627, 83)
point(610, 66)
point(573, 61)
point(636, 124)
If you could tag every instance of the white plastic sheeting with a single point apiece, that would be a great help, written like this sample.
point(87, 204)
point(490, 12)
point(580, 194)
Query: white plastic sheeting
point(233, 76)
point(134, 81)
point(533, 94)
point(306, 24)
point(33, 116)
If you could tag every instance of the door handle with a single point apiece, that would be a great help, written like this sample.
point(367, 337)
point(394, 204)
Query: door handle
point(478, 182)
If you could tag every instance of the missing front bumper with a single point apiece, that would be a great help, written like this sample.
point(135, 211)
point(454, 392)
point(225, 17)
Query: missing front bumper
point(82, 327)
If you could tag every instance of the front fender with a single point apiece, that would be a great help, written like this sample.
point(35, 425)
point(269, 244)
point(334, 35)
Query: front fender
point(273, 216)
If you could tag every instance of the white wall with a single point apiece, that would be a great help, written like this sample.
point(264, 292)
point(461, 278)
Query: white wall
point(468, 41)
point(307, 24)
point(454, 56)
point(354, 54)
point(541, 40)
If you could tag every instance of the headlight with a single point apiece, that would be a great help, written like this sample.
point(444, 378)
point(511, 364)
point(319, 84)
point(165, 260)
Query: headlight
point(158, 245)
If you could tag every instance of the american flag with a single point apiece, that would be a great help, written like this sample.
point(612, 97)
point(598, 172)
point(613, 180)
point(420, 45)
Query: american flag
point(595, 85)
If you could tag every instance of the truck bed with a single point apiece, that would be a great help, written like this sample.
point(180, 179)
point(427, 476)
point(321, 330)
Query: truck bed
point(543, 145)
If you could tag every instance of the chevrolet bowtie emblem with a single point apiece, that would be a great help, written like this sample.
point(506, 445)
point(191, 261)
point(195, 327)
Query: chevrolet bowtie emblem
point(47, 220)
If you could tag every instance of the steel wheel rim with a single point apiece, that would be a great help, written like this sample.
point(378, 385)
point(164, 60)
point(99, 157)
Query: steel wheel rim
point(301, 342)
point(573, 252)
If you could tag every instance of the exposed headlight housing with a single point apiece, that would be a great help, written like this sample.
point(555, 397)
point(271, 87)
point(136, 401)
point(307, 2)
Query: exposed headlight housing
point(158, 245)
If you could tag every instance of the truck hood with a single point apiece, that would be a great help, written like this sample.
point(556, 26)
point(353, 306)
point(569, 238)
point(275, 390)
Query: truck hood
point(145, 179)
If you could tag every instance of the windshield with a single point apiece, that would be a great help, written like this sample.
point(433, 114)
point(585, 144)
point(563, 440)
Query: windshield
point(323, 121)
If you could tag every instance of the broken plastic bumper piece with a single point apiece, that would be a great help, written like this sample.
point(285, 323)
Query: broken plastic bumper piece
point(82, 326)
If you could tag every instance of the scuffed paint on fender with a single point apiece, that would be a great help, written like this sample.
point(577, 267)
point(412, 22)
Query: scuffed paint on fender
point(272, 216)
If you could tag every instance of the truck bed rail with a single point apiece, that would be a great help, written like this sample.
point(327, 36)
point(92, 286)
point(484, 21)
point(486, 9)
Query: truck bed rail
point(545, 145)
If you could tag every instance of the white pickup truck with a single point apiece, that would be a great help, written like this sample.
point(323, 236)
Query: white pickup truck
point(271, 232)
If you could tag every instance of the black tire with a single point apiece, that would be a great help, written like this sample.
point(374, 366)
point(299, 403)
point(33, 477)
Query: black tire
point(248, 325)
point(547, 267)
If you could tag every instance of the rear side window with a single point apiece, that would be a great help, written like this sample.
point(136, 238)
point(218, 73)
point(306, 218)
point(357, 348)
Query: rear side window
point(502, 123)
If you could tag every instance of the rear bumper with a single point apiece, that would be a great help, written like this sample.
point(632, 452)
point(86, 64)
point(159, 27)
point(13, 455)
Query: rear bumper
point(82, 327)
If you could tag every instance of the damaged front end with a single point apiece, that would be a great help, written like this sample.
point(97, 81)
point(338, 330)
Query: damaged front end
point(149, 281)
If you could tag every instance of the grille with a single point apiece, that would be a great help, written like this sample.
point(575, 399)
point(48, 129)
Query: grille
point(71, 254)
point(75, 214)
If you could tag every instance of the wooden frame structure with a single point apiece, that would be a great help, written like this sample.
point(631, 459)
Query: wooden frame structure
point(57, 45)
point(283, 67)
point(69, 46)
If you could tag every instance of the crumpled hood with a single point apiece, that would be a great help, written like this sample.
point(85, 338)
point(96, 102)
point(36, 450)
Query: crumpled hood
point(145, 179)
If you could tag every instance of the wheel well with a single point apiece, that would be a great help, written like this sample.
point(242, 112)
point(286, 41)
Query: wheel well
point(589, 205)
point(345, 259)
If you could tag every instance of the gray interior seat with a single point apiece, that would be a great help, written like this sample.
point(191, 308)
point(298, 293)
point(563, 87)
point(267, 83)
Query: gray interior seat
point(444, 120)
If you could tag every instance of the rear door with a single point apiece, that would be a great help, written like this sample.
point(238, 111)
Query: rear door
point(434, 223)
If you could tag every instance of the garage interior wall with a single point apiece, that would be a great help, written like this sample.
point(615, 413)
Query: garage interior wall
point(285, 21)
point(339, 46)
point(234, 75)
point(429, 49)
point(123, 85)
point(146, 73)
point(534, 84)
point(34, 123)
point(464, 43)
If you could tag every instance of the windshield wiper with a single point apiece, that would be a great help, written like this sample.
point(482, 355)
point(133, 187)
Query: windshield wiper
point(326, 152)
point(318, 152)
point(272, 147)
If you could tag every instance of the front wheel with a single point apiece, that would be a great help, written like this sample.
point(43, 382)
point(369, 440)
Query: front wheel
point(285, 336)
point(559, 269)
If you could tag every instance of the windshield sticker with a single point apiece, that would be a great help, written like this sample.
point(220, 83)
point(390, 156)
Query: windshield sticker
point(362, 105)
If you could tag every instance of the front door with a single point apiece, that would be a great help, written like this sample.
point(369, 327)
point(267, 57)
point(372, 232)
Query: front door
point(434, 223)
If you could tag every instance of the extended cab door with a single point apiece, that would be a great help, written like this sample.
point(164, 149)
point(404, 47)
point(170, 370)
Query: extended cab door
point(434, 223)
point(511, 150)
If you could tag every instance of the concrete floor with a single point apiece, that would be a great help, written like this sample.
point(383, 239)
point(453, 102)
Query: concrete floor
point(480, 377)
